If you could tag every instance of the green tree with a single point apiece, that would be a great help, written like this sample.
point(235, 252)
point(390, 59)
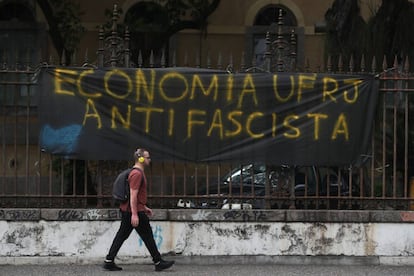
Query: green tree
point(65, 28)
point(152, 23)
point(387, 32)
point(346, 31)
point(390, 31)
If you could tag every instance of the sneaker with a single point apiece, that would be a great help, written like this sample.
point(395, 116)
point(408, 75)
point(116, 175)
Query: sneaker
point(161, 265)
point(111, 266)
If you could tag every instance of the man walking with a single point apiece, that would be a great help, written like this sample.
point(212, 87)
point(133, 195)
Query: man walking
point(134, 215)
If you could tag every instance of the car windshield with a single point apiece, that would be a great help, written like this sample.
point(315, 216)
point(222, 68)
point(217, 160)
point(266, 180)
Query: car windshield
point(244, 173)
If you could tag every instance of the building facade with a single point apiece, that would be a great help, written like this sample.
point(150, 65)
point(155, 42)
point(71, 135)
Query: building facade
point(235, 31)
point(234, 38)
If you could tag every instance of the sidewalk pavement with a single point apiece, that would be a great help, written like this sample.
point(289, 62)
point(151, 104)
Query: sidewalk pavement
point(185, 269)
point(220, 265)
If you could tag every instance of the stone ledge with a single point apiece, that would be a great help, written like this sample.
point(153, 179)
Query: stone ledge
point(91, 214)
point(327, 216)
point(20, 214)
point(211, 215)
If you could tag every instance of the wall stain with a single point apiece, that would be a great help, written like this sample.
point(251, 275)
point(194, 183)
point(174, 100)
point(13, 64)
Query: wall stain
point(245, 216)
point(369, 245)
point(295, 242)
point(70, 215)
point(18, 236)
point(240, 232)
point(263, 230)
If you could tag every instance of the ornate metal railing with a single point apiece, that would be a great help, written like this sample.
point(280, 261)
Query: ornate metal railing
point(30, 178)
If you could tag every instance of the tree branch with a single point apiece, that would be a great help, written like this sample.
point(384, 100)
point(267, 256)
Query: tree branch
point(54, 32)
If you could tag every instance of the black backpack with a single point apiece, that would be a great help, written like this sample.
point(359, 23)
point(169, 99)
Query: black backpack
point(120, 188)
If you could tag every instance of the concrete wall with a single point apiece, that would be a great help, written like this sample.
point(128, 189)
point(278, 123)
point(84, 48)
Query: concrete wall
point(87, 234)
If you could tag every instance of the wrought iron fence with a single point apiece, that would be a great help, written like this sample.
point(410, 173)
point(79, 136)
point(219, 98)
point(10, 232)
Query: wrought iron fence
point(383, 180)
point(31, 178)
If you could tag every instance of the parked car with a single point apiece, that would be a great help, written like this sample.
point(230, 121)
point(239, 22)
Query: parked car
point(307, 180)
point(251, 180)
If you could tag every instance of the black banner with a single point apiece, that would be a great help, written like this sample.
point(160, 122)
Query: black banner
point(206, 115)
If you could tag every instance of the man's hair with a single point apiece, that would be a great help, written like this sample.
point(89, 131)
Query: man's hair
point(139, 153)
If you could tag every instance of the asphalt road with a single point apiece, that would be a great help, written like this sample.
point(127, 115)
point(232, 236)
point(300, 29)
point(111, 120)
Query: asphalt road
point(186, 269)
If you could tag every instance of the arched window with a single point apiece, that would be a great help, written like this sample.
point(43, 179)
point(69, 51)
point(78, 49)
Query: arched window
point(148, 26)
point(20, 34)
point(267, 21)
point(269, 15)
point(16, 11)
point(22, 39)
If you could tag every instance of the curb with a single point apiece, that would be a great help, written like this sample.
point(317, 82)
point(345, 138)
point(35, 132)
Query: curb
point(220, 260)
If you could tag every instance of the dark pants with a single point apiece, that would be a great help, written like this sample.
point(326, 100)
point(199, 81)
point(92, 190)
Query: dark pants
point(144, 231)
